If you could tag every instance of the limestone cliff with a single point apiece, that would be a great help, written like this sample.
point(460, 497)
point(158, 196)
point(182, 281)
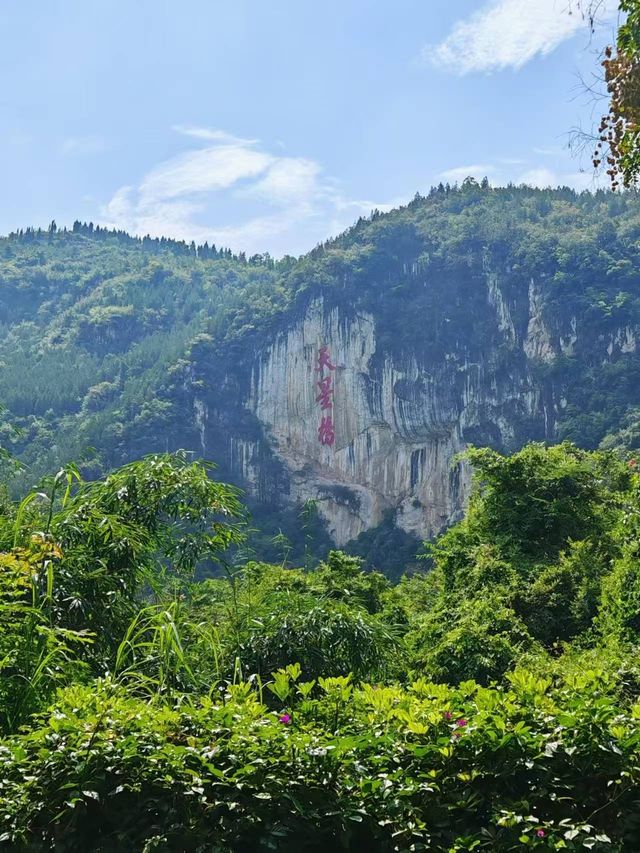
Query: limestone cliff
point(492, 316)
point(399, 418)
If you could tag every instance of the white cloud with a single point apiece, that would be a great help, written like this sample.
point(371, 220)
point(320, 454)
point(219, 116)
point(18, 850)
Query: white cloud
point(549, 151)
point(119, 208)
point(274, 203)
point(540, 177)
point(211, 135)
point(459, 173)
point(543, 177)
point(510, 33)
point(202, 171)
point(507, 170)
point(287, 180)
point(83, 145)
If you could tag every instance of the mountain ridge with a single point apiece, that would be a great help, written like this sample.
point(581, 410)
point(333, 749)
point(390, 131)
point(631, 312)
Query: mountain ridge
point(498, 316)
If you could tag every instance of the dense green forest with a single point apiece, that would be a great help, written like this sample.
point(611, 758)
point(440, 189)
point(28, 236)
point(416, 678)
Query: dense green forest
point(171, 679)
point(186, 667)
point(95, 325)
point(492, 703)
point(99, 329)
point(105, 339)
point(487, 700)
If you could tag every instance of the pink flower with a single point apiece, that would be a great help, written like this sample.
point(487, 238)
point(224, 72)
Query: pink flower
point(541, 833)
point(285, 719)
point(461, 723)
point(447, 715)
point(632, 463)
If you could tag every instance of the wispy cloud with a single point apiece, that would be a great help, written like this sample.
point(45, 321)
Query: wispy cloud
point(211, 135)
point(516, 171)
point(203, 171)
point(539, 177)
point(510, 33)
point(274, 203)
point(83, 145)
point(18, 138)
point(459, 173)
point(549, 151)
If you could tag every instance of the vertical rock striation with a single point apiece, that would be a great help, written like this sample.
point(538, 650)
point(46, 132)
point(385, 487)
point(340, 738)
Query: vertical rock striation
point(400, 419)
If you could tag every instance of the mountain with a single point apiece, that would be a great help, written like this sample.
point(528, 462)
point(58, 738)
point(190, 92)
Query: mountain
point(337, 389)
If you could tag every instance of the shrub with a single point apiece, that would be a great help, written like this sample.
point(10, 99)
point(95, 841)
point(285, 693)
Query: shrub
point(426, 768)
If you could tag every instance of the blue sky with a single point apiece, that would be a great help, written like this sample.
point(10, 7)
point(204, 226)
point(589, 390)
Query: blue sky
point(269, 125)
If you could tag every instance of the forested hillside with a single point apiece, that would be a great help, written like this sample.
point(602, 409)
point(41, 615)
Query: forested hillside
point(113, 347)
point(95, 325)
point(337, 552)
point(490, 704)
point(488, 700)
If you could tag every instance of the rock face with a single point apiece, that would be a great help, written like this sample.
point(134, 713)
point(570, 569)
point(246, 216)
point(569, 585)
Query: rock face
point(484, 315)
point(396, 431)
point(398, 419)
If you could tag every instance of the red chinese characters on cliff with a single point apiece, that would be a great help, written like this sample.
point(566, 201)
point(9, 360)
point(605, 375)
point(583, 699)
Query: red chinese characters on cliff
point(326, 430)
point(326, 393)
point(324, 360)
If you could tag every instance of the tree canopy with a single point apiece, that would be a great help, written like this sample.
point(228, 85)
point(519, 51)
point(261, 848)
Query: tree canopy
point(489, 703)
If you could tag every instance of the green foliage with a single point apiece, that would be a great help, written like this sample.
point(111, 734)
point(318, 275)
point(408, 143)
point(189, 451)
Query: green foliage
point(330, 620)
point(533, 503)
point(491, 703)
point(387, 548)
point(97, 327)
point(109, 342)
point(36, 654)
point(357, 768)
point(120, 534)
point(481, 638)
point(546, 535)
point(78, 561)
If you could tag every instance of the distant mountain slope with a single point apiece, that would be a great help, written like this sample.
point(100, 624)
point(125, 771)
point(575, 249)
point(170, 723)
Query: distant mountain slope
point(475, 315)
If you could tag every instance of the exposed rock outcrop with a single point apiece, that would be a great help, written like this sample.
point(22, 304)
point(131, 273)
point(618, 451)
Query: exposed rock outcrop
point(399, 420)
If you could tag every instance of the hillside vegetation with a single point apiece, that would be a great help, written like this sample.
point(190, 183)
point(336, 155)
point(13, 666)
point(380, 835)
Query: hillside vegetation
point(488, 700)
point(492, 703)
point(101, 334)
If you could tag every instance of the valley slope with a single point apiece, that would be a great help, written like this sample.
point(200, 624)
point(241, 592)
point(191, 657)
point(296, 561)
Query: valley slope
point(471, 316)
